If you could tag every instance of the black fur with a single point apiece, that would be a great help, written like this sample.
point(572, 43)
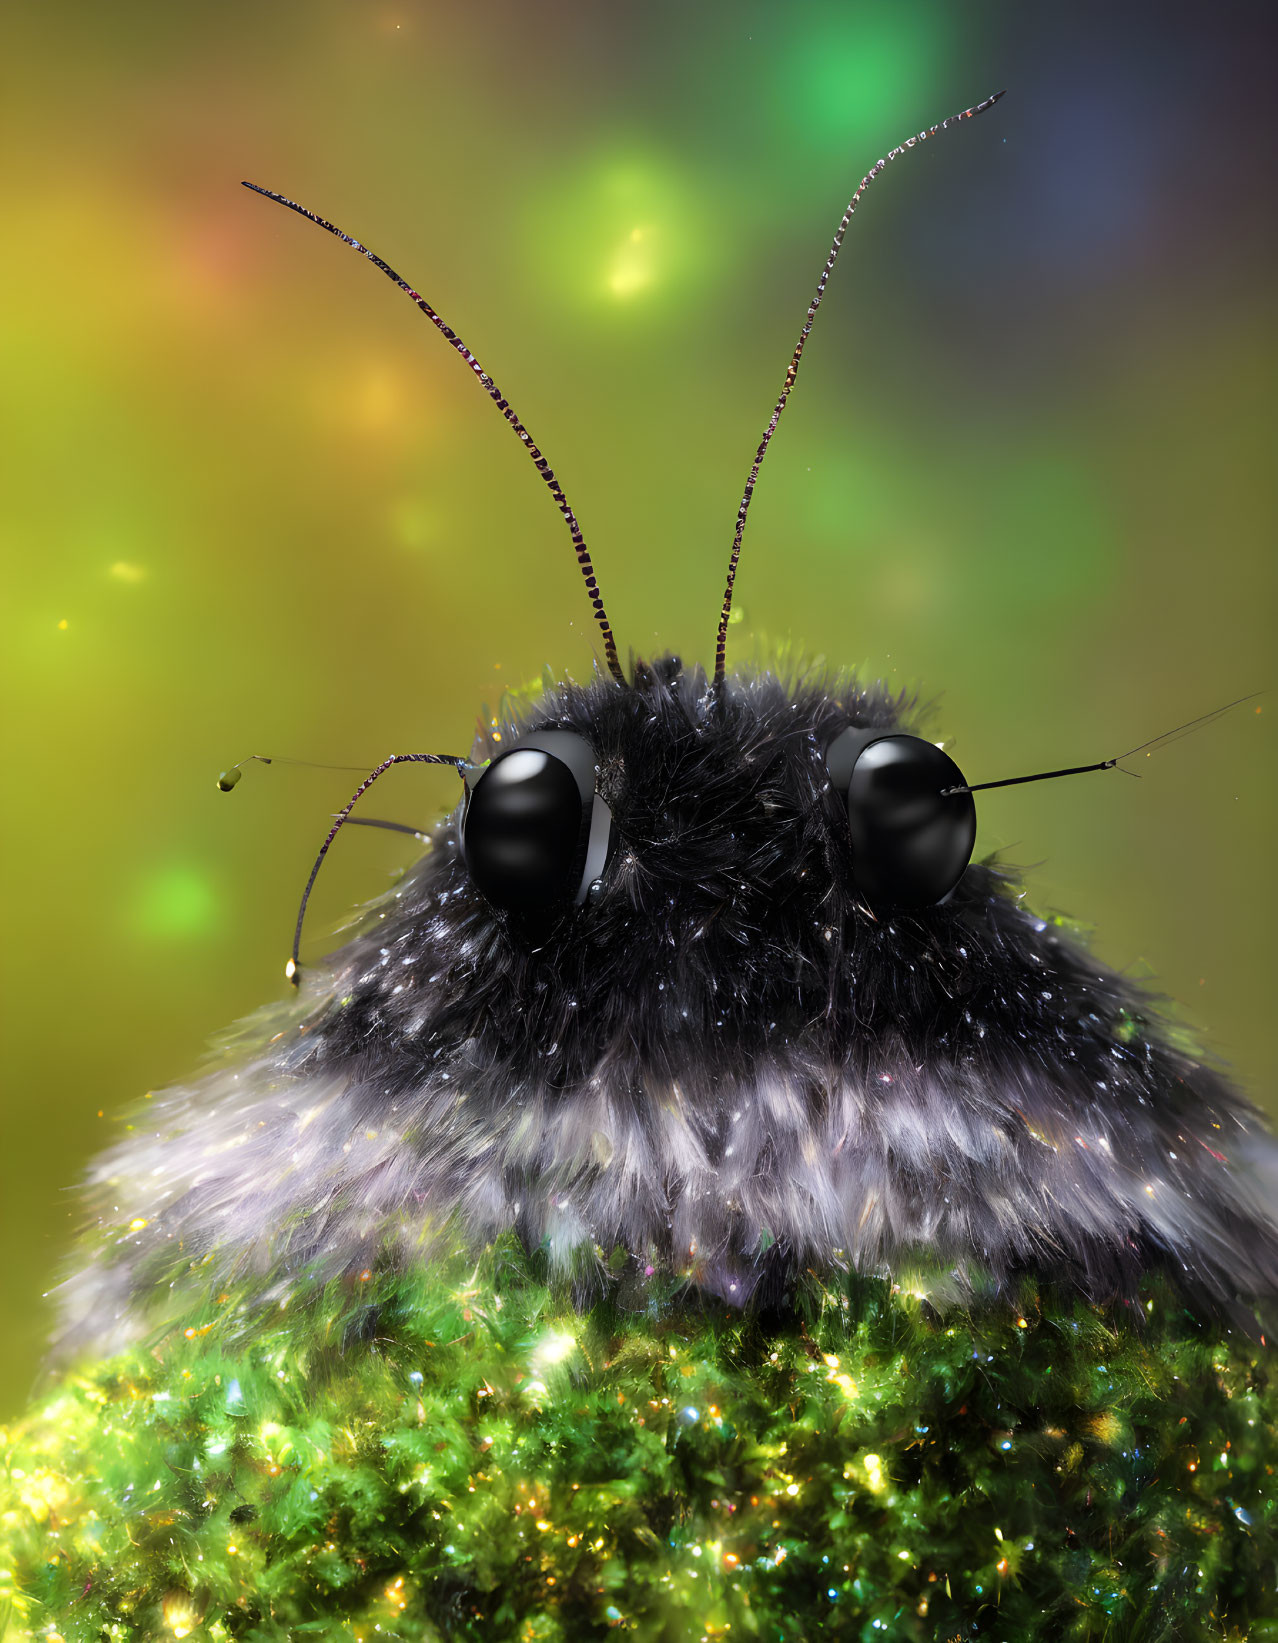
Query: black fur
point(724, 1062)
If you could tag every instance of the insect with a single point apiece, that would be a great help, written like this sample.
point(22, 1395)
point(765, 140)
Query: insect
point(700, 967)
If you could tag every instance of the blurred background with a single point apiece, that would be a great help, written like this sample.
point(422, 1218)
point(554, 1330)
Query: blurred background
point(253, 503)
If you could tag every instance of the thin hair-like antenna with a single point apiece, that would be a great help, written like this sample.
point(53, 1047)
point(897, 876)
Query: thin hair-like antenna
point(390, 826)
point(291, 968)
point(721, 643)
point(502, 404)
point(1146, 748)
point(229, 778)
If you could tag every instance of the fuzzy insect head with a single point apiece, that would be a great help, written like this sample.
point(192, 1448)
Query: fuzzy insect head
point(699, 971)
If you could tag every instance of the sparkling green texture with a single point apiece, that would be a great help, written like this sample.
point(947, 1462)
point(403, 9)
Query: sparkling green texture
point(461, 1454)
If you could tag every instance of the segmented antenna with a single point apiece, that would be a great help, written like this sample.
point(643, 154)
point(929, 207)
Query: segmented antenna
point(291, 968)
point(721, 644)
point(502, 404)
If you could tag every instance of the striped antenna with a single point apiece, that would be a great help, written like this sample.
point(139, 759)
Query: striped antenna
point(294, 964)
point(502, 404)
point(721, 644)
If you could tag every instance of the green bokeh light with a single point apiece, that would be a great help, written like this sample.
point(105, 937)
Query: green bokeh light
point(621, 230)
point(174, 903)
point(854, 73)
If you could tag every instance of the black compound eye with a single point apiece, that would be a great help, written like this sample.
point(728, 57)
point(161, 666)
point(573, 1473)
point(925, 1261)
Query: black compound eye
point(534, 834)
point(911, 838)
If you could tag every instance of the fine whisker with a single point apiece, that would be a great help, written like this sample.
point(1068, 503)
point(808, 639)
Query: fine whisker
point(1115, 763)
point(1190, 725)
point(376, 821)
point(229, 778)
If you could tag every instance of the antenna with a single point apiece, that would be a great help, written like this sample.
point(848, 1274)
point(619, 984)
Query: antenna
point(502, 404)
point(721, 643)
point(1115, 763)
point(459, 765)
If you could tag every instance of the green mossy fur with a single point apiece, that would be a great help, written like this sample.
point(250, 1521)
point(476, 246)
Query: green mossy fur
point(458, 1453)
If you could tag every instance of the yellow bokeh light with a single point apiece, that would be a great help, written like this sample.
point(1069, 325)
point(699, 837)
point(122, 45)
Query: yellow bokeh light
point(551, 1349)
point(634, 265)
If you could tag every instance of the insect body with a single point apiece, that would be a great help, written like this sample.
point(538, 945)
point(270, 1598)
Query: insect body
point(700, 968)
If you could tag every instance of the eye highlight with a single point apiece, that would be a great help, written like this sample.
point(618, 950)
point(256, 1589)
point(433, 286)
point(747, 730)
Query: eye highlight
point(534, 832)
point(912, 834)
